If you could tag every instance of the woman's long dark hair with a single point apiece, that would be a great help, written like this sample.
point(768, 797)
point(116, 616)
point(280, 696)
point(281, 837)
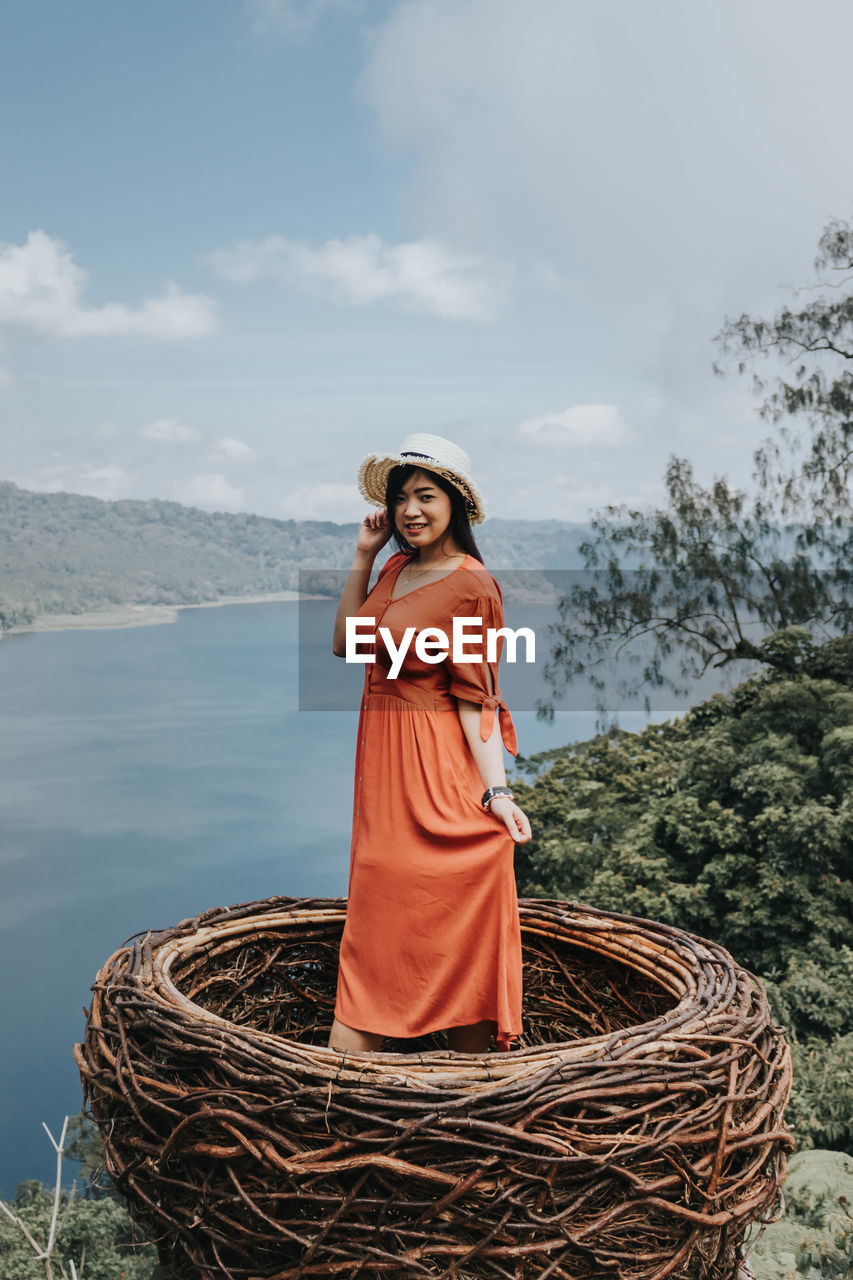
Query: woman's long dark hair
point(459, 528)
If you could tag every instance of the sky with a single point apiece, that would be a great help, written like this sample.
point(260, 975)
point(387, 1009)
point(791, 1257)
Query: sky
point(244, 243)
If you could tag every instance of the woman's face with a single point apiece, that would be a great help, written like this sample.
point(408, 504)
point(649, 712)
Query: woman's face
point(422, 510)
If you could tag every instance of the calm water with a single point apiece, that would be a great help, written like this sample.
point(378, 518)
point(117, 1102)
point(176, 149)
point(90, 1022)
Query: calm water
point(145, 775)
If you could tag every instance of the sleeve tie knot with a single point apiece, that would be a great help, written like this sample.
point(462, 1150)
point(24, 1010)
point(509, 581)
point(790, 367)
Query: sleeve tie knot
point(491, 704)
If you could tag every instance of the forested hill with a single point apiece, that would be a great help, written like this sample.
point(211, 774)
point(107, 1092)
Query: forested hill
point(67, 553)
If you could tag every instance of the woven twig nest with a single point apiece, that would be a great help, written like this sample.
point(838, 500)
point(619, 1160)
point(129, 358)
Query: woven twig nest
point(636, 1131)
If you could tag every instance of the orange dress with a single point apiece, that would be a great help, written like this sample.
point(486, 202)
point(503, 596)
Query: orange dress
point(432, 936)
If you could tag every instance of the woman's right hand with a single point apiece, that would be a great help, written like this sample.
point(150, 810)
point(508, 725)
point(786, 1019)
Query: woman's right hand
point(374, 532)
point(516, 821)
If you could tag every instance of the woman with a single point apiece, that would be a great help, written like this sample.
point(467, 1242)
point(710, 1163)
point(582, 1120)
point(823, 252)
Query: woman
point(432, 938)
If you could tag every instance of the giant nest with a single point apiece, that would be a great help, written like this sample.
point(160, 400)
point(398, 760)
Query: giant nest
point(636, 1131)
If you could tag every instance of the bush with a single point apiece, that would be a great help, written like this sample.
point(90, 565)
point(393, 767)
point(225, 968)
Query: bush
point(734, 822)
point(95, 1233)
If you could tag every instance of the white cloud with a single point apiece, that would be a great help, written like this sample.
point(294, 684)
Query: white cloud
point(209, 490)
point(41, 288)
point(106, 431)
point(109, 482)
point(578, 427)
point(237, 450)
point(327, 501)
point(420, 276)
point(641, 145)
point(170, 431)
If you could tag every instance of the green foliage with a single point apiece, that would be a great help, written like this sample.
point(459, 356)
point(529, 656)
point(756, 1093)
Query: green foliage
point(710, 576)
point(816, 342)
point(66, 553)
point(814, 1240)
point(83, 1146)
point(691, 586)
point(736, 823)
point(821, 1108)
point(96, 1232)
point(795, 651)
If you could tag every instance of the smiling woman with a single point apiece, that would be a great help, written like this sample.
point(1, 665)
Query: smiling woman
point(432, 938)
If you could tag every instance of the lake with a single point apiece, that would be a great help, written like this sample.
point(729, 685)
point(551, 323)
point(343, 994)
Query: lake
point(148, 774)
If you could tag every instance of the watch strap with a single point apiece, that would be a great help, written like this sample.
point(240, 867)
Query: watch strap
point(488, 796)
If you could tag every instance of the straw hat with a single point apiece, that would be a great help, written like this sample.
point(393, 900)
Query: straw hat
point(430, 453)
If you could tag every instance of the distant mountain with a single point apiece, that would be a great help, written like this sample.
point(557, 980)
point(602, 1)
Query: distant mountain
point(67, 553)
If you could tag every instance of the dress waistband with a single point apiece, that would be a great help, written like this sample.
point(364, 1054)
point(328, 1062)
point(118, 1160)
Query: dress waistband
point(409, 693)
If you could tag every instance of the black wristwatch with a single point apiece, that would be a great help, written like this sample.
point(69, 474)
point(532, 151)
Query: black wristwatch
point(488, 796)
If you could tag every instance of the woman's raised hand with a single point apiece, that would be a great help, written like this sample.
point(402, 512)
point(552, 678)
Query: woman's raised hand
point(374, 532)
point(517, 822)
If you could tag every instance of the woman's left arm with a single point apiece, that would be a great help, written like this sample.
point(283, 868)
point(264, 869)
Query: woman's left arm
point(490, 762)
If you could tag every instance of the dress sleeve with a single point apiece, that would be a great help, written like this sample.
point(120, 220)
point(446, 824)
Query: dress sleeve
point(478, 681)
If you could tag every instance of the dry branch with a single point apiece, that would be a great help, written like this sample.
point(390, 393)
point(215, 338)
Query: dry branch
point(636, 1132)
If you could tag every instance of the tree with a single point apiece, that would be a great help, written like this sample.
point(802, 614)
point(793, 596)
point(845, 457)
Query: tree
point(734, 822)
point(83, 1146)
point(718, 576)
point(818, 341)
point(97, 1236)
point(55, 1235)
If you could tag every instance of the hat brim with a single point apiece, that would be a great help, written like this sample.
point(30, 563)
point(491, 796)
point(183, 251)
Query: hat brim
point(376, 467)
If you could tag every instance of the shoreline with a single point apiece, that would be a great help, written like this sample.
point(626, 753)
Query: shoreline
point(123, 616)
point(142, 615)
